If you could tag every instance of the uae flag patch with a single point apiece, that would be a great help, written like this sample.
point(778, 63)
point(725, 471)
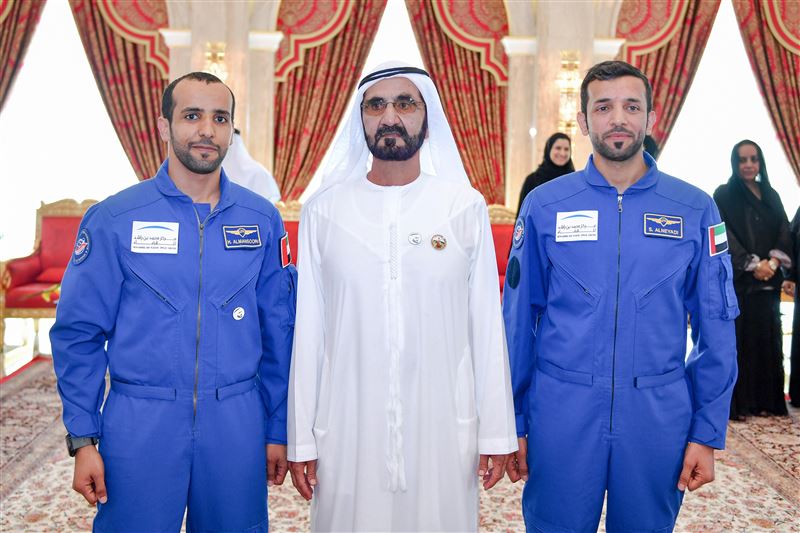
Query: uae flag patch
point(286, 251)
point(717, 239)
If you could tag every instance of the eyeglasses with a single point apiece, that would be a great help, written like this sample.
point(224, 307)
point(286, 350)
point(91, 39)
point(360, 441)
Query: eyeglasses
point(377, 107)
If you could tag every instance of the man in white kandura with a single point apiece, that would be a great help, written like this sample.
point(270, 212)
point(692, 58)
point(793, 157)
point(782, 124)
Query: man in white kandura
point(399, 394)
point(241, 168)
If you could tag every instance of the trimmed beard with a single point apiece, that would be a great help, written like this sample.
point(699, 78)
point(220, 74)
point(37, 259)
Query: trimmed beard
point(617, 155)
point(390, 151)
point(198, 166)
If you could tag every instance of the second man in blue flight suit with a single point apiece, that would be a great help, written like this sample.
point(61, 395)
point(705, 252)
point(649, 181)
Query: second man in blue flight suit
point(607, 267)
point(181, 287)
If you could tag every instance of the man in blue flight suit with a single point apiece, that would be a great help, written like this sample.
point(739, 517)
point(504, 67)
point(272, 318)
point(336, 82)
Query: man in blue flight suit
point(181, 287)
point(606, 264)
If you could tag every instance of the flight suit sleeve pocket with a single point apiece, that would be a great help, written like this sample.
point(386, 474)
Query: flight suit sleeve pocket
point(722, 302)
point(290, 274)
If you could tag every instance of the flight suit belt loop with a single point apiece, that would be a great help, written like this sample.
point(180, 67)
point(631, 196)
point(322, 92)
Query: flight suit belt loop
point(584, 378)
point(167, 393)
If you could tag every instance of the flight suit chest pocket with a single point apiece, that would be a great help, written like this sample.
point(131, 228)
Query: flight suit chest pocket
point(568, 282)
point(570, 319)
point(147, 341)
point(145, 283)
point(661, 323)
point(668, 285)
point(239, 331)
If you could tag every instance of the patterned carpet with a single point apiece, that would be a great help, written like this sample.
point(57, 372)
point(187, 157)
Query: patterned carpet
point(757, 486)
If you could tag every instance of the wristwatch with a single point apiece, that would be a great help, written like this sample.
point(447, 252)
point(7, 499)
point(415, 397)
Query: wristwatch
point(773, 264)
point(75, 443)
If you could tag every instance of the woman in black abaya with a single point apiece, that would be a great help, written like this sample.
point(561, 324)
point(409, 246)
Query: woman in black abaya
point(791, 289)
point(760, 245)
point(557, 162)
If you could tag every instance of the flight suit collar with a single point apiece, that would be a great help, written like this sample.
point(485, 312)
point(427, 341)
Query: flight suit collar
point(167, 187)
point(594, 177)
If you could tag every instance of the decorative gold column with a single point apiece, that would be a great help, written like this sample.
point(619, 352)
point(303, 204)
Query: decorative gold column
point(261, 75)
point(520, 114)
point(568, 25)
point(180, 50)
point(606, 48)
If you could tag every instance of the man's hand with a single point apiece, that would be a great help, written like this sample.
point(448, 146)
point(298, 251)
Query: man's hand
point(491, 475)
point(276, 464)
point(304, 477)
point(517, 464)
point(698, 467)
point(89, 476)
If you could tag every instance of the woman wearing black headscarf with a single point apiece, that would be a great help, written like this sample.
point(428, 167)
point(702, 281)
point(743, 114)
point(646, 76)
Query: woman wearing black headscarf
point(759, 243)
point(557, 162)
point(791, 287)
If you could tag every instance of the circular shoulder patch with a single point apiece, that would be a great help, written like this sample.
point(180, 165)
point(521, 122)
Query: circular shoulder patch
point(513, 272)
point(519, 233)
point(82, 247)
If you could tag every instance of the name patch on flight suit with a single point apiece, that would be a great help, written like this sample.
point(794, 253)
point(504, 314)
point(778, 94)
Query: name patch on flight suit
point(576, 226)
point(154, 237)
point(244, 236)
point(668, 226)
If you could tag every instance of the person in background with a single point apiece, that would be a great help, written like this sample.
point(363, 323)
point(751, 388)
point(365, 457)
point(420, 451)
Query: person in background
point(557, 161)
point(790, 288)
point(760, 244)
point(241, 168)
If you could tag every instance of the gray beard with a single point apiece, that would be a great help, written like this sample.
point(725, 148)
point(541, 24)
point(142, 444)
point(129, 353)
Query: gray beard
point(390, 151)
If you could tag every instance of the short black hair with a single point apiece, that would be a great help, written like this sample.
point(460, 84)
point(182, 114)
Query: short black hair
point(168, 104)
point(611, 70)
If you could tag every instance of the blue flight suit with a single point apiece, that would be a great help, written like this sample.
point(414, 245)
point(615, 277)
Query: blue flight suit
point(197, 309)
point(596, 298)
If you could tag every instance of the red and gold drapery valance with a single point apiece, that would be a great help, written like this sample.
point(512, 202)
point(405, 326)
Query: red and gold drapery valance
point(478, 26)
point(783, 20)
point(665, 40)
point(307, 24)
point(648, 26)
point(325, 46)
point(138, 22)
point(130, 63)
point(771, 33)
point(460, 43)
point(18, 21)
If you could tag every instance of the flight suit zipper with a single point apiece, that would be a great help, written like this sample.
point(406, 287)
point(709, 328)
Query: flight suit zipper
point(616, 312)
point(201, 227)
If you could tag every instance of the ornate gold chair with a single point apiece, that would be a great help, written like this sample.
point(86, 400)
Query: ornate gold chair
point(29, 285)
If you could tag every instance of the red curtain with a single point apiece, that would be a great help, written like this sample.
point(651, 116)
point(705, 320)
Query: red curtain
point(18, 20)
point(776, 65)
point(671, 68)
point(473, 101)
point(130, 87)
point(312, 100)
